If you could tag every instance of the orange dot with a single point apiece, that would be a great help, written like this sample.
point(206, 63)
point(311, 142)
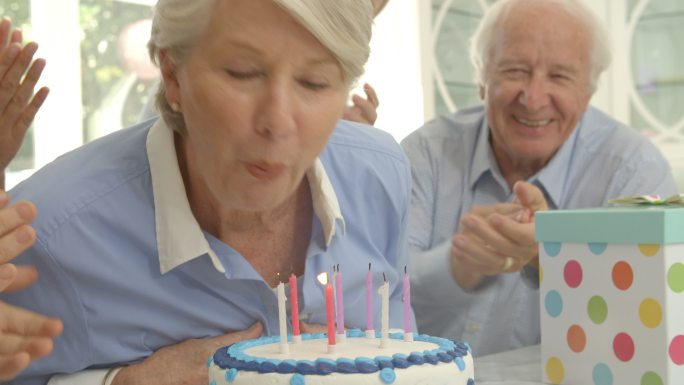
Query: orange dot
point(577, 339)
point(623, 276)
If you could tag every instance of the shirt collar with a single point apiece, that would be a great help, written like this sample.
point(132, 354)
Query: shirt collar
point(551, 178)
point(179, 236)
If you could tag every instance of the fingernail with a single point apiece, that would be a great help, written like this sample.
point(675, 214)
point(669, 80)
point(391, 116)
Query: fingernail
point(6, 271)
point(25, 211)
point(24, 235)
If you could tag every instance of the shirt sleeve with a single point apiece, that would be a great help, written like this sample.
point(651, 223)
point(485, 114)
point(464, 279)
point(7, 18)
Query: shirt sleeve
point(86, 377)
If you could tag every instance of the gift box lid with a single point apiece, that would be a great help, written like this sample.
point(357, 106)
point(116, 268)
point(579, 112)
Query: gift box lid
point(631, 224)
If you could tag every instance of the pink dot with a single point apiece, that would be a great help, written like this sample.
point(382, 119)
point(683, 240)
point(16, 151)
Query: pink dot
point(623, 346)
point(677, 350)
point(573, 273)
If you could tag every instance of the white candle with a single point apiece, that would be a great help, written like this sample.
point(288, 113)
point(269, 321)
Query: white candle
point(282, 318)
point(384, 315)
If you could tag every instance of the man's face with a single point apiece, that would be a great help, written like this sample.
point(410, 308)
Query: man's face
point(537, 84)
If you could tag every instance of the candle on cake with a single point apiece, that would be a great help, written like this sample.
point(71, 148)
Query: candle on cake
point(370, 332)
point(329, 311)
point(339, 300)
point(408, 330)
point(282, 317)
point(384, 315)
point(294, 310)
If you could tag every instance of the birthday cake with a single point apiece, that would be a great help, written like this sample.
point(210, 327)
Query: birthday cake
point(356, 360)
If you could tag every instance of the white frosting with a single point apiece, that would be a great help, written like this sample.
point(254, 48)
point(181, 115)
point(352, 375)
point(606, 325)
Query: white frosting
point(428, 374)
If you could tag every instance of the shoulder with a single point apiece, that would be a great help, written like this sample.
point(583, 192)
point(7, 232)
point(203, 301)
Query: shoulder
point(364, 141)
point(605, 137)
point(84, 175)
point(457, 127)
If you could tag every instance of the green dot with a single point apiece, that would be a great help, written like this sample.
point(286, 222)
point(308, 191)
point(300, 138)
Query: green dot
point(675, 277)
point(651, 378)
point(597, 309)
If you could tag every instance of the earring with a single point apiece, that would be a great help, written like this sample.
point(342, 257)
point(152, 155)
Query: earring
point(175, 107)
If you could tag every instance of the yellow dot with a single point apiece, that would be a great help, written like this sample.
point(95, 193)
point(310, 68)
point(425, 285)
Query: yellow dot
point(651, 313)
point(555, 370)
point(649, 250)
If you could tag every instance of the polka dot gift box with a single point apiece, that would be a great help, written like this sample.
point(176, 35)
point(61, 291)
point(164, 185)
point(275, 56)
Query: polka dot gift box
point(612, 295)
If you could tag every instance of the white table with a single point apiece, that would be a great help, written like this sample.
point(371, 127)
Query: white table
point(514, 367)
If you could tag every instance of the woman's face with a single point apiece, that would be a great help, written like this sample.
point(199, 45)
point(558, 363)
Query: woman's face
point(260, 97)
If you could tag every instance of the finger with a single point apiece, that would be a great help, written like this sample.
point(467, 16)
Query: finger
point(478, 257)
point(8, 273)
point(25, 276)
point(371, 95)
point(24, 322)
point(494, 240)
point(11, 366)
point(4, 198)
point(22, 100)
point(36, 347)
point(21, 213)
point(366, 109)
point(12, 78)
point(7, 57)
point(520, 233)
point(530, 196)
point(5, 26)
point(29, 113)
point(17, 36)
point(252, 332)
point(484, 211)
point(312, 328)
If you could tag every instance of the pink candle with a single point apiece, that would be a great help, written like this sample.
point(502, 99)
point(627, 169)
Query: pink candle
point(294, 305)
point(323, 279)
point(369, 299)
point(407, 303)
point(340, 301)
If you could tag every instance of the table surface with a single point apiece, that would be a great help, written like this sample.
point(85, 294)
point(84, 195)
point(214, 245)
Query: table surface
point(514, 367)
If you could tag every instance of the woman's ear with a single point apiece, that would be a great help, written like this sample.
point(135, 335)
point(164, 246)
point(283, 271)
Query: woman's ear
point(169, 76)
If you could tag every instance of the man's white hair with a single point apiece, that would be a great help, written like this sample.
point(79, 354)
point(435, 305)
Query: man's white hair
point(482, 41)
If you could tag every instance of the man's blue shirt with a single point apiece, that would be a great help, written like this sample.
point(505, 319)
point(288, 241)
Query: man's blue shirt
point(454, 168)
point(122, 298)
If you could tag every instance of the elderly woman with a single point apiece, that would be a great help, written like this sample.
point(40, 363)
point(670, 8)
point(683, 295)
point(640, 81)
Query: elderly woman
point(157, 242)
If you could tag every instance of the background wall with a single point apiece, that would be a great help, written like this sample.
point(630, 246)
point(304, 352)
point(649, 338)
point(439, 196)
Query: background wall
point(100, 77)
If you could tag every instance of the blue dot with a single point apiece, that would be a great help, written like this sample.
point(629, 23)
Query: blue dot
point(460, 363)
point(602, 375)
point(388, 376)
point(212, 382)
point(552, 248)
point(553, 303)
point(471, 381)
point(231, 374)
point(597, 248)
point(297, 379)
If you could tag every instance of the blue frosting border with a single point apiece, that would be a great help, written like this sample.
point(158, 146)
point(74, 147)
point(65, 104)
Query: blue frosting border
point(234, 357)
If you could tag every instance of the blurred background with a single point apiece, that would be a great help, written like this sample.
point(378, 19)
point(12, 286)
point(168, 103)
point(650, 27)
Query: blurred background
point(101, 78)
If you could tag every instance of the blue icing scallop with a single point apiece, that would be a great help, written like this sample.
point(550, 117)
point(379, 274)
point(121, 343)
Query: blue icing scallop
point(355, 333)
point(325, 366)
point(431, 358)
point(306, 367)
point(231, 374)
point(346, 365)
point(267, 367)
point(388, 376)
point(416, 358)
point(471, 381)
point(460, 363)
point(212, 382)
point(287, 366)
point(366, 365)
point(297, 379)
point(444, 357)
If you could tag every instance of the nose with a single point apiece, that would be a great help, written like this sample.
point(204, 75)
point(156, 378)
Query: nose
point(276, 111)
point(535, 94)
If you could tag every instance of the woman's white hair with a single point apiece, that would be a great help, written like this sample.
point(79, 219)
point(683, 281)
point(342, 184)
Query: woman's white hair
point(482, 41)
point(342, 26)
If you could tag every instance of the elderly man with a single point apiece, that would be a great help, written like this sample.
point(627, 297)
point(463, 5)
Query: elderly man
point(474, 256)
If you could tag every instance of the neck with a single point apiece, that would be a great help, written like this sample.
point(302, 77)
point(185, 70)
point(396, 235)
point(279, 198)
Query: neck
point(515, 169)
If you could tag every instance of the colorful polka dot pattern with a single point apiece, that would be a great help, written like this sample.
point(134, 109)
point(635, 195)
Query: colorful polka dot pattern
point(622, 312)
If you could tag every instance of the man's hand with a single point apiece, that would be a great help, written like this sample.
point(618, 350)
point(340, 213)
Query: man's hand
point(363, 110)
point(18, 104)
point(183, 363)
point(498, 238)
